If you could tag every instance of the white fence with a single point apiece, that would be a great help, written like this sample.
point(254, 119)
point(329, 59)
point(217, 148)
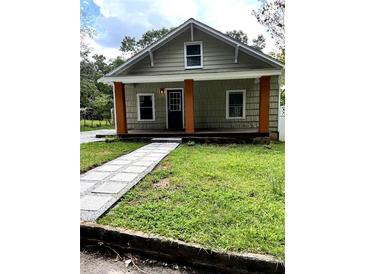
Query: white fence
point(282, 123)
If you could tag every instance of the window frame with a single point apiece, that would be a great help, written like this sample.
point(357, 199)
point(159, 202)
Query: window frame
point(243, 91)
point(139, 107)
point(200, 43)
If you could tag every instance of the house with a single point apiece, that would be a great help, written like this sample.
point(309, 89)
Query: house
point(196, 81)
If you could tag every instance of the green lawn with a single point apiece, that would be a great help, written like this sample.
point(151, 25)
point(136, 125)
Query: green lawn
point(224, 197)
point(86, 125)
point(95, 154)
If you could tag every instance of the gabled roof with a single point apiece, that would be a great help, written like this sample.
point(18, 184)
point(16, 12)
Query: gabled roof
point(205, 28)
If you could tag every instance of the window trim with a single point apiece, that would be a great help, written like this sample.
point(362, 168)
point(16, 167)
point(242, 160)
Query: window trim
point(243, 91)
point(201, 54)
point(139, 110)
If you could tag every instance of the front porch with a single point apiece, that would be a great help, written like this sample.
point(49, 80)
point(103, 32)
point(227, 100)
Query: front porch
point(203, 108)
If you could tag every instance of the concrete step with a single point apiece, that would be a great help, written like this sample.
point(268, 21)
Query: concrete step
point(166, 140)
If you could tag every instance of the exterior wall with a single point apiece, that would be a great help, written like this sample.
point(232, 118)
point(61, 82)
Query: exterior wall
point(274, 103)
point(217, 57)
point(209, 104)
point(160, 104)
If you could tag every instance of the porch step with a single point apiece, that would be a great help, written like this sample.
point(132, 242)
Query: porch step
point(166, 140)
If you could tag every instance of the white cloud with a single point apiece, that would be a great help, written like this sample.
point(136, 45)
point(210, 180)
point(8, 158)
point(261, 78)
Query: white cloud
point(109, 53)
point(175, 12)
point(124, 11)
point(234, 14)
point(222, 15)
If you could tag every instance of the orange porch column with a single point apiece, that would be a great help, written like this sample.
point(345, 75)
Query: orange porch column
point(120, 109)
point(264, 104)
point(189, 105)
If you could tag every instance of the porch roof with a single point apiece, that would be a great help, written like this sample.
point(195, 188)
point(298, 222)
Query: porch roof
point(244, 74)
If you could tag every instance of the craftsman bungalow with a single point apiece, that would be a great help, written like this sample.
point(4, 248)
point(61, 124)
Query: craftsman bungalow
point(194, 81)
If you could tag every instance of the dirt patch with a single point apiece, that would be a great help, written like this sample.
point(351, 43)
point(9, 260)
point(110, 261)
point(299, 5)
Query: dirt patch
point(164, 183)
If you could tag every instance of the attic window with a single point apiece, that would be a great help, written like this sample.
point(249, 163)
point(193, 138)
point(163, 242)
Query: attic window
point(193, 55)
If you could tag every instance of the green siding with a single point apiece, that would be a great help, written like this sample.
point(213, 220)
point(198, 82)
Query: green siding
point(160, 105)
point(217, 57)
point(209, 104)
point(274, 103)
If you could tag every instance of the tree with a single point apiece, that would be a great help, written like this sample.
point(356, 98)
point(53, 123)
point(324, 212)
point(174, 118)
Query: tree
point(86, 29)
point(100, 66)
point(87, 69)
point(114, 63)
point(151, 36)
point(238, 35)
point(271, 15)
point(130, 45)
point(102, 105)
point(88, 92)
point(280, 56)
point(259, 43)
point(93, 95)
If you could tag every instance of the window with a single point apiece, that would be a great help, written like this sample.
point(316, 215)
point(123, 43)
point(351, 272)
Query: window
point(174, 101)
point(146, 106)
point(193, 55)
point(235, 104)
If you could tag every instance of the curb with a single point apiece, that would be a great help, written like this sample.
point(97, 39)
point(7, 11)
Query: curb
point(178, 251)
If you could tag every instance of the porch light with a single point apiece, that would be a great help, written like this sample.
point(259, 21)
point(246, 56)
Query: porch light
point(162, 91)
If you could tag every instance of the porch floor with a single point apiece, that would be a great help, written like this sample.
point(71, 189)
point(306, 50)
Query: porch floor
point(233, 133)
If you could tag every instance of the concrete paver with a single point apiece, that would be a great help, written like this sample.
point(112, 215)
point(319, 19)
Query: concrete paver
point(124, 177)
point(135, 169)
point(85, 186)
point(119, 162)
point(94, 175)
point(108, 168)
point(89, 202)
point(109, 188)
point(101, 187)
point(143, 163)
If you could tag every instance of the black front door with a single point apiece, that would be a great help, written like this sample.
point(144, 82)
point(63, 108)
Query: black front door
point(174, 109)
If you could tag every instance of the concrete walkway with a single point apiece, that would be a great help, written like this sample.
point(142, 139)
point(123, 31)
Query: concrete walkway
point(89, 136)
point(101, 187)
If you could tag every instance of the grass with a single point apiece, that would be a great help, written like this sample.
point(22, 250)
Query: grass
point(86, 125)
point(97, 153)
point(227, 198)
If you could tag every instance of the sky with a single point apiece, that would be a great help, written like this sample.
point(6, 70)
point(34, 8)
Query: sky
point(114, 19)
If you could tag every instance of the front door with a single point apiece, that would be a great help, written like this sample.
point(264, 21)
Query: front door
point(175, 109)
